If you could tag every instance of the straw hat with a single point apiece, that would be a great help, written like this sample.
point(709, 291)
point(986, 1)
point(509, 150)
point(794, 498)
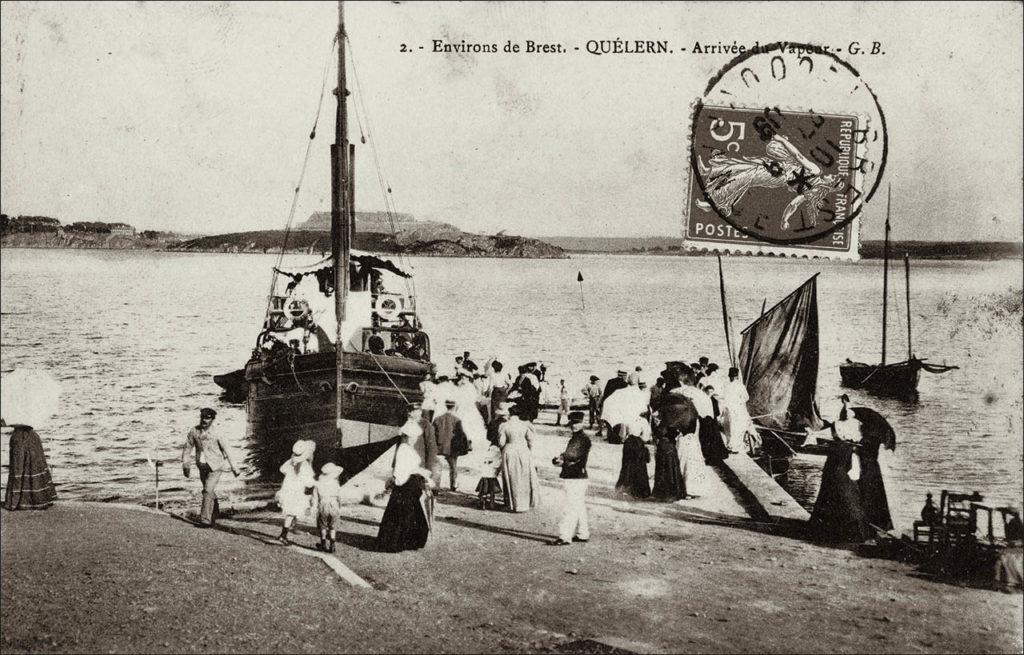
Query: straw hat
point(330, 470)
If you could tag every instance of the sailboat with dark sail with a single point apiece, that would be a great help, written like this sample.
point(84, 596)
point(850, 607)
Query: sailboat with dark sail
point(779, 363)
point(898, 379)
point(339, 357)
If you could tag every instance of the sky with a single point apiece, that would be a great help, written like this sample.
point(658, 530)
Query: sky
point(195, 117)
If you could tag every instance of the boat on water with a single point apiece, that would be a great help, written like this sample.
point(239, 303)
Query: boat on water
point(897, 379)
point(778, 361)
point(341, 354)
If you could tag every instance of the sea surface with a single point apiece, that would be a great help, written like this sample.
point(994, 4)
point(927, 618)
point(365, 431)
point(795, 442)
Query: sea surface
point(135, 337)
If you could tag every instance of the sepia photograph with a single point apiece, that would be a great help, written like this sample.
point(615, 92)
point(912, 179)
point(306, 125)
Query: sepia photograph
point(511, 327)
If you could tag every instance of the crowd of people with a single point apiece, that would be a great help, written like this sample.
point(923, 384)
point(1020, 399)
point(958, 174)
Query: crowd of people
point(490, 412)
point(717, 425)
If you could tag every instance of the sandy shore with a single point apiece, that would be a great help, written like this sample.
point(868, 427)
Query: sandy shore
point(656, 578)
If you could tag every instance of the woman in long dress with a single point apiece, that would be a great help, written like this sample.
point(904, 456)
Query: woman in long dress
point(838, 514)
point(28, 398)
point(466, 396)
point(528, 398)
point(29, 485)
point(623, 408)
point(409, 514)
point(519, 478)
point(633, 478)
point(668, 481)
point(499, 383)
point(692, 469)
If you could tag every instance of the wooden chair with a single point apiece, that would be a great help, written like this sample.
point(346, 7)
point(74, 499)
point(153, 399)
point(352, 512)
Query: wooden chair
point(959, 516)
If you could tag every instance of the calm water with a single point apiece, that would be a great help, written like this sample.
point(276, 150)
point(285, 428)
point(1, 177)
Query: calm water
point(135, 337)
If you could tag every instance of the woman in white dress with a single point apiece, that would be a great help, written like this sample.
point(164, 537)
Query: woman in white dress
point(691, 465)
point(466, 396)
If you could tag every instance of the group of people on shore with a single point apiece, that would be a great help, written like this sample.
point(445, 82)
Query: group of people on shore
point(494, 412)
point(633, 416)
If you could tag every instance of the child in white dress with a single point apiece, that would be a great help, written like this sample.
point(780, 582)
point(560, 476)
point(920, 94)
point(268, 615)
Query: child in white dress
point(298, 477)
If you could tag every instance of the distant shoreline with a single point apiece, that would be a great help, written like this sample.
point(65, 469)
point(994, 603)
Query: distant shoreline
point(560, 247)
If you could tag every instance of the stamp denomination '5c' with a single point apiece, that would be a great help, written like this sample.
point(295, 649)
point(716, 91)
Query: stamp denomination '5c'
point(778, 174)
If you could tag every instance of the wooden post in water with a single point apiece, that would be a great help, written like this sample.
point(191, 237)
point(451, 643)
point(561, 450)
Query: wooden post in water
point(906, 267)
point(885, 274)
point(340, 220)
point(725, 312)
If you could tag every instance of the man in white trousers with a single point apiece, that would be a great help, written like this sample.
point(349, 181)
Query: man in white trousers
point(574, 475)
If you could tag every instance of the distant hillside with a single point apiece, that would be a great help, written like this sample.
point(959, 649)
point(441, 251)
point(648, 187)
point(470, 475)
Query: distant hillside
point(868, 249)
point(365, 222)
point(421, 241)
point(945, 249)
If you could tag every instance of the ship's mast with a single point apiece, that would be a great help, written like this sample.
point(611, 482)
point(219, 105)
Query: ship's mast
point(340, 217)
point(885, 274)
point(906, 268)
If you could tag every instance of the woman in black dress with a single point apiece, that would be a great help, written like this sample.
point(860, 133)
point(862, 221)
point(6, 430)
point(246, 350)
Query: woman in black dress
point(838, 515)
point(668, 480)
point(633, 478)
point(410, 511)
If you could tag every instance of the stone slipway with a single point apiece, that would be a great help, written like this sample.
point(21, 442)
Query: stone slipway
point(762, 491)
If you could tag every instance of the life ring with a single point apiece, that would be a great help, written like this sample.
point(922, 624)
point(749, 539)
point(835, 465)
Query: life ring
point(386, 307)
point(352, 387)
point(297, 310)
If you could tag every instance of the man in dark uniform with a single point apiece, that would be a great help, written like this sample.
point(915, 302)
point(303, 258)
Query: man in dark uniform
point(574, 526)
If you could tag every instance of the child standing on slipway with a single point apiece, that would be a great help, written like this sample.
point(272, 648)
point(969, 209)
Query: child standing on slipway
point(327, 500)
point(298, 477)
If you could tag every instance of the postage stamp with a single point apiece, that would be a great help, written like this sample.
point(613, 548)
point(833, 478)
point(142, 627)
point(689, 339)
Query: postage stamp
point(786, 145)
point(767, 177)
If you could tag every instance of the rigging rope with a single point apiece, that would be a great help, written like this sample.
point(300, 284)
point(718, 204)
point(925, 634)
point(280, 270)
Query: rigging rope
point(388, 376)
point(302, 174)
point(367, 137)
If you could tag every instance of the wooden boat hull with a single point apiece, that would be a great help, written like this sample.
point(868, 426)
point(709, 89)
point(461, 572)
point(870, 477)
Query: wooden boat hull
point(293, 397)
point(899, 380)
point(236, 389)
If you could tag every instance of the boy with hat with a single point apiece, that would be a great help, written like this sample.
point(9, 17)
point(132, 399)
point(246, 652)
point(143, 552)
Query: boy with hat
point(574, 526)
point(327, 500)
point(211, 458)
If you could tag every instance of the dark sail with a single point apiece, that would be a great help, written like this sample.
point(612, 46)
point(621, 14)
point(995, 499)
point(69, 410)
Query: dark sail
point(779, 362)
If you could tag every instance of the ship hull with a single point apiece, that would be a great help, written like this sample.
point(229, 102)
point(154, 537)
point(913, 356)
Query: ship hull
point(897, 380)
point(293, 397)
